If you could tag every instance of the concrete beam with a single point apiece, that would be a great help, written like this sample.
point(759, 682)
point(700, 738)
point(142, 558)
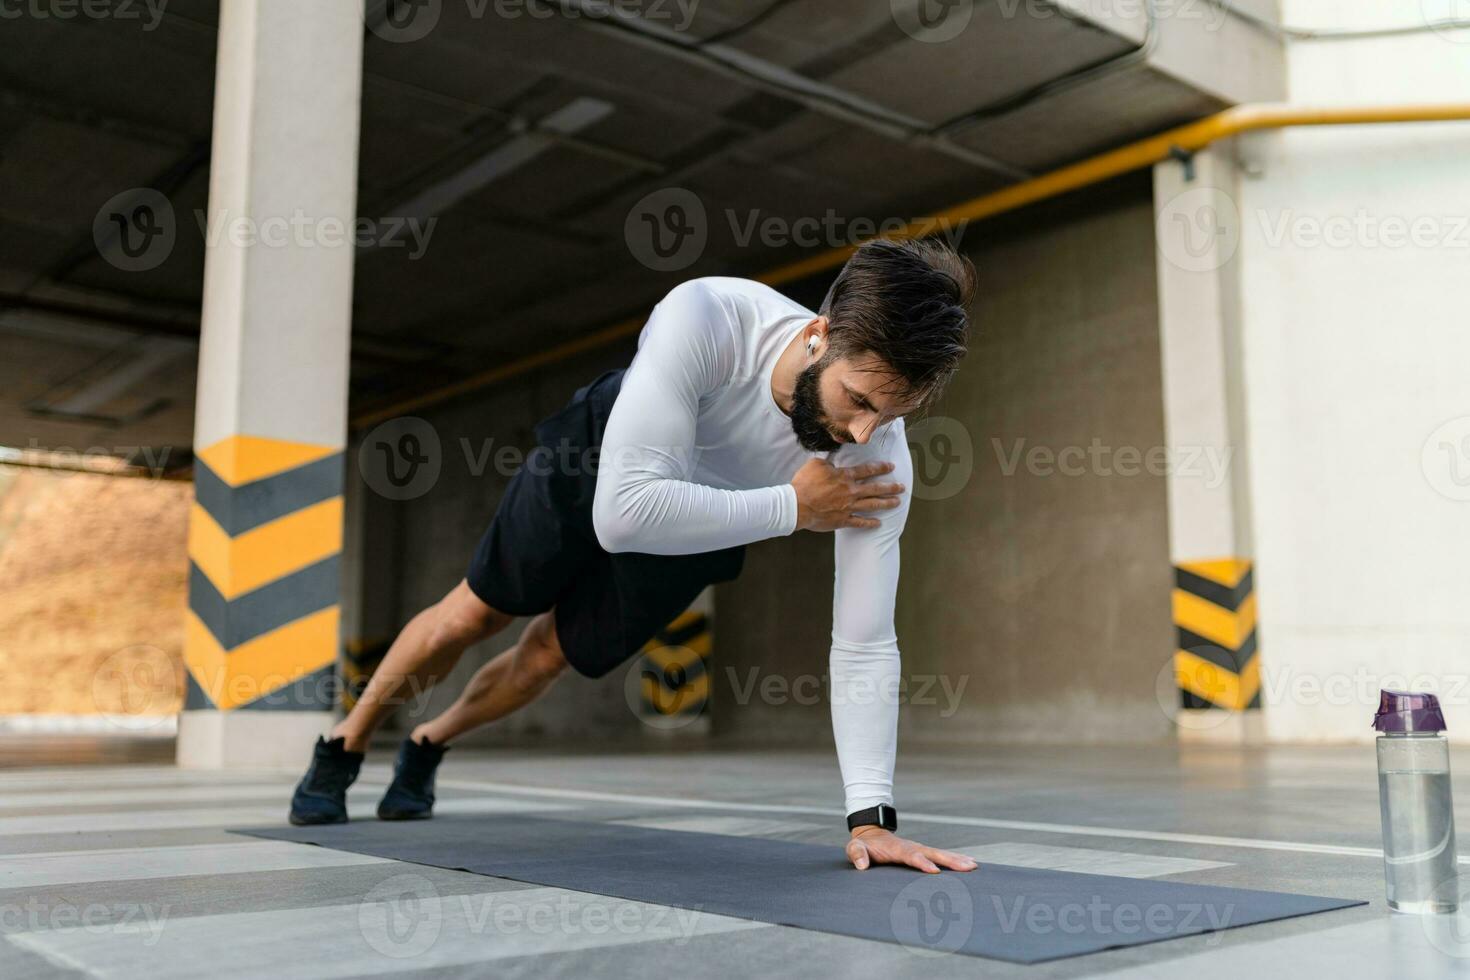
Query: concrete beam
point(1200, 44)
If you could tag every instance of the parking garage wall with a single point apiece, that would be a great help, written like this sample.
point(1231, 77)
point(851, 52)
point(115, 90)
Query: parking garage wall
point(1034, 601)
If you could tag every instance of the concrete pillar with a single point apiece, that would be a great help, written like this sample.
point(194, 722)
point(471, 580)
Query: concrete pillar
point(265, 534)
point(1215, 666)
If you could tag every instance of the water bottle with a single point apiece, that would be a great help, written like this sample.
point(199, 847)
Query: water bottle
point(1414, 797)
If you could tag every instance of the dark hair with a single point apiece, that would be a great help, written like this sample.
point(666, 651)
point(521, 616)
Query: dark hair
point(903, 301)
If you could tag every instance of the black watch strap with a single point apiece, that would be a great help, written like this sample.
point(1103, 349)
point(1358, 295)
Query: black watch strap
point(883, 815)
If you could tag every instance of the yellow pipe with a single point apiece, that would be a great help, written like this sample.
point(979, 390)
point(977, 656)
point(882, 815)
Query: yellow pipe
point(1135, 156)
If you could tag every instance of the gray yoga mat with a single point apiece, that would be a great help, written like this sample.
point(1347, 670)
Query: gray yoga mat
point(1020, 915)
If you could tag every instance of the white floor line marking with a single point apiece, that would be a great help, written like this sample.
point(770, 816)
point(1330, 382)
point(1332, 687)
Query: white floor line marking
point(723, 824)
point(179, 861)
point(1085, 860)
point(113, 796)
point(1077, 830)
point(400, 925)
point(239, 816)
point(56, 958)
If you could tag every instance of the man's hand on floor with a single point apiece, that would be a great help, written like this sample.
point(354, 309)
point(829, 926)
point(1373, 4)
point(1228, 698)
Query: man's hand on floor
point(874, 845)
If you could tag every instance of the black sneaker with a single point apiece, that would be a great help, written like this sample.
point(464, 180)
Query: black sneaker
point(321, 796)
point(411, 794)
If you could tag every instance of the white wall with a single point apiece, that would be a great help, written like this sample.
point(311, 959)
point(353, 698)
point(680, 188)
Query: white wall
point(1354, 356)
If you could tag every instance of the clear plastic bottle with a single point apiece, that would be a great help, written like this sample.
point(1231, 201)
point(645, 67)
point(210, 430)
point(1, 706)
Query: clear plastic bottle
point(1419, 859)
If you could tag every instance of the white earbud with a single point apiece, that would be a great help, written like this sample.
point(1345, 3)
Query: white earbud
point(811, 346)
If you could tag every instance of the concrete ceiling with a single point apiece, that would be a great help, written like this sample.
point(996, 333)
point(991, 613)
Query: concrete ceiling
point(800, 108)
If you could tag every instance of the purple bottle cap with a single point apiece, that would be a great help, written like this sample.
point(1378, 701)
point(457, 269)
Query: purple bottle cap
point(1408, 711)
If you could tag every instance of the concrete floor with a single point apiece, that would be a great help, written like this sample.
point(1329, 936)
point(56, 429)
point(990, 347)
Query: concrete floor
point(127, 870)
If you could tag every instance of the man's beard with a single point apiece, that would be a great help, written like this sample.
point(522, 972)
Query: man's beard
point(808, 420)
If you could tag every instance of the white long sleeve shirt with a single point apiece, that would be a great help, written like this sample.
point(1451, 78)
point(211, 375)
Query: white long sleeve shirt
point(697, 456)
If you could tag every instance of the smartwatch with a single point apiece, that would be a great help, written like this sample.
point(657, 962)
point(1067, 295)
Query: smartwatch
point(883, 815)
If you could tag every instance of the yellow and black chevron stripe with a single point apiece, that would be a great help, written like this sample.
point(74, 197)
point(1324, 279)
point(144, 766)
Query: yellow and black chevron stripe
point(674, 668)
point(1216, 663)
point(265, 543)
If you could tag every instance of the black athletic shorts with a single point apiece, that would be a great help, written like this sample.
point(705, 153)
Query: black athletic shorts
point(541, 553)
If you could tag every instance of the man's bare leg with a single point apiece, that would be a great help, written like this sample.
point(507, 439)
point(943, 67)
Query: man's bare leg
point(427, 649)
point(510, 681)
